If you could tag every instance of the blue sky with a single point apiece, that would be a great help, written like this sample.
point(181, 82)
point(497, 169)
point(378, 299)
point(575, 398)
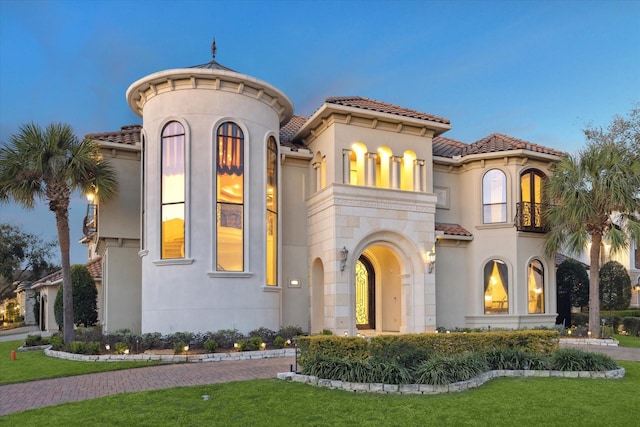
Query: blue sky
point(536, 70)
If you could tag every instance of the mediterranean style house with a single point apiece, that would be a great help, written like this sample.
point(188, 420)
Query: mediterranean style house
point(235, 213)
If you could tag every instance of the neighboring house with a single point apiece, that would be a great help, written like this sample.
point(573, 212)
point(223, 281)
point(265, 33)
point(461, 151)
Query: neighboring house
point(235, 213)
point(48, 287)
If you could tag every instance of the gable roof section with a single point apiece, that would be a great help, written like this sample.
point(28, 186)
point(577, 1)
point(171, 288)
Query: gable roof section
point(383, 107)
point(129, 135)
point(497, 142)
point(94, 266)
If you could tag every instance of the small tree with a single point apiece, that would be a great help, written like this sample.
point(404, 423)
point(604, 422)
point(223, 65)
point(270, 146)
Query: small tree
point(85, 298)
point(615, 287)
point(572, 278)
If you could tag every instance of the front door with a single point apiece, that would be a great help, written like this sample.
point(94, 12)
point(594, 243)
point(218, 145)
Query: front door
point(365, 294)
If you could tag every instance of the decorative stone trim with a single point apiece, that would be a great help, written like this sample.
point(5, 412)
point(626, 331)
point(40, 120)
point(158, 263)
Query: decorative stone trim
point(173, 358)
point(449, 388)
point(590, 341)
point(33, 347)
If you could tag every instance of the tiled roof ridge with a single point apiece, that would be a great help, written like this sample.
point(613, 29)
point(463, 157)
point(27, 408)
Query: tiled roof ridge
point(93, 265)
point(383, 107)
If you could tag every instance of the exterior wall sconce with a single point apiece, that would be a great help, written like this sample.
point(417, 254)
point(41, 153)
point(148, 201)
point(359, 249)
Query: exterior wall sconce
point(90, 223)
point(344, 254)
point(431, 256)
point(637, 286)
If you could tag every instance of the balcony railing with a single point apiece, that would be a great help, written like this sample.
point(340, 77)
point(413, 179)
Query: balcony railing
point(529, 217)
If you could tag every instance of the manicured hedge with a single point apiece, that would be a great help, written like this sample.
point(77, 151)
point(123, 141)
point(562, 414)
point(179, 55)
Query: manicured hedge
point(408, 349)
point(631, 325)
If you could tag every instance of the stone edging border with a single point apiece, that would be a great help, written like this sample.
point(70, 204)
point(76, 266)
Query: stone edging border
point(590, 341)
point(173, 358)
point(449, 388)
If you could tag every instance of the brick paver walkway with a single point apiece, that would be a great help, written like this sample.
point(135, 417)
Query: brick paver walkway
point(36, 394)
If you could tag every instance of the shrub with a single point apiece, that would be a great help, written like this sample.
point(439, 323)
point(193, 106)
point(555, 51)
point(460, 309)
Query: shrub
point(57, 342)
point(211, 346)
point(326, 332)
point(121, 348)
point(631, 325)
point(568, 359)
point(406, 350)
point(151, 340)
point(572, 278)
point(440, 370)
point(226, 338)
point(179, 337)
point(279, 342)
point(93, 347)
point(389, 373)
point(290, 332)
point(178, 347)
point(579, 319)
point(615, 286)
point(252, 344)
point(77, 347)
point(85, 297)
point(265, 334)
point(33, 340)
point(598, 362)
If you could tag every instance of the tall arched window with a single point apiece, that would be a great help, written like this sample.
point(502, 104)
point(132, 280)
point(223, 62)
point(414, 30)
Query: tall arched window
point(494, 197)
point(535, 287)
point(531, 199)
point(406, 176)
point(272, 212)
point(173, 192)
point(229, 198)
point(496, 287)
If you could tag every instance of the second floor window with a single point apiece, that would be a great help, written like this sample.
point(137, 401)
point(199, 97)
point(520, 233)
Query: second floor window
point(229, 198)
point(494, 197)
point(531, 198)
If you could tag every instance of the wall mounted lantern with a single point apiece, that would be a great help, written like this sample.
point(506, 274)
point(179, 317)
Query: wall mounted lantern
point(344, 254)
point(637, 286)
point(431, 256)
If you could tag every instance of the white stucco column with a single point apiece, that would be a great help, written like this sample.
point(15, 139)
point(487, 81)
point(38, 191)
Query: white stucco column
point(346, 166)
point(396, 161)
point(370, 169)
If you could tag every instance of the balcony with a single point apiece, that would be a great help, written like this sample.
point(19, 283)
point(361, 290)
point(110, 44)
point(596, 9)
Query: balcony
point(529, 217)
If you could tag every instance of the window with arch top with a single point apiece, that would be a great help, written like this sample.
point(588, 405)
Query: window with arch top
point(272, 212)
point(535, 287)
point(229, 198)
point(494, 197)
point(172, 191)
point(496, 287)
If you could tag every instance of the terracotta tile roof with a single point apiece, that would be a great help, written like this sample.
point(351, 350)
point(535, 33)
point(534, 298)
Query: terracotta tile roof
point(129, 135)
point(382, 107)
point(452, 229)
point(289, 130)
point(94, 266)
point(447, 147)
point(498, 142)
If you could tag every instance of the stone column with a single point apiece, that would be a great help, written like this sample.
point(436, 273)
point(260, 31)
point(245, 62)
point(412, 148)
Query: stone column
point(346, 166)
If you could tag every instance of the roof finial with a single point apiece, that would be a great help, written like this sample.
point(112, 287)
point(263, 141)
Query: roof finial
point(213, 49)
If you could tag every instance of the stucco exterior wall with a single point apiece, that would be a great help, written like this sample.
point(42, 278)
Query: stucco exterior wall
point(121, 277)
point(189, 294)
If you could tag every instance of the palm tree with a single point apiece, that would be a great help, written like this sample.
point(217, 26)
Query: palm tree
point(49, 165)
point(594, 198)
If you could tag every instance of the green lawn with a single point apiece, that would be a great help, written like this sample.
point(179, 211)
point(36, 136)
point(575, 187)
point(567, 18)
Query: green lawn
point(500, 402)
point(628, 341)
point(34, 365)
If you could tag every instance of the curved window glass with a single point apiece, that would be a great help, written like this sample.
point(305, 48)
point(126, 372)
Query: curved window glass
point(535, 287)
point(494, 197)
point(229, 198)
point(173, 193)
point(272, 212)
point(496, 287)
